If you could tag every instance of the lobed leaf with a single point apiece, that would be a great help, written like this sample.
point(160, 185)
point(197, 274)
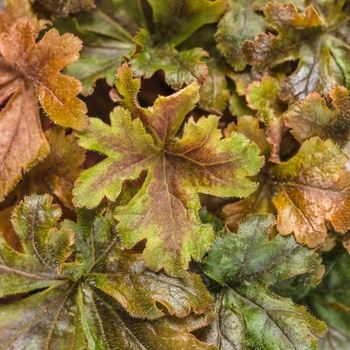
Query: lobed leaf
point(179, 66)
point(165, 210)
point(312, 117)
point(91, 299)
point(241, 22)
point(40, 64)
point(247, 313)
point(313, 188)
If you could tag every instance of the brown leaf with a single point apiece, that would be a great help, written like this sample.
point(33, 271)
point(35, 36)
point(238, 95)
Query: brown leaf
point(313, 188)
point(41, 63)
point(22, 143)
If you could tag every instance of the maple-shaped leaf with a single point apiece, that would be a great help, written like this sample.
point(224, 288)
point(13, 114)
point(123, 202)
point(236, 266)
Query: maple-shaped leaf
point(313, 188)
point(67, 7)
point(165, 210)
point(174, 22)
point(40, 64)
point(239, 23)
point(30, 71)
point(330, 301)
point(248, 314)
point(90, 300)
point(318, 45)
point(313, 117)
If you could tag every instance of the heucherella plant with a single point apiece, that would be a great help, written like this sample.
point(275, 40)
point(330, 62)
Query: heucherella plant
point(195, 190)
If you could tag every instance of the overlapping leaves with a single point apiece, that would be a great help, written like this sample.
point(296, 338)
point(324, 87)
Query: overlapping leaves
point(87, 301)
point(108, 33)
point(321, 45)
point(165, 210)
point(247, 313)
point(29, 71)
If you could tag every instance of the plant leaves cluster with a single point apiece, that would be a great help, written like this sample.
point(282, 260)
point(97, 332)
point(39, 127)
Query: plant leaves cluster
point(210, 210)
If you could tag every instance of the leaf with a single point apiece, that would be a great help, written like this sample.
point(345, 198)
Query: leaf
point(249, 127)
point(330, 300)
point(313, 188)
point(41, 64)
point(239, 23)
point(179, 67)
point(259, 202)
point(105, 41)
point(165, 210)
point(214, 93)
point(61, 167)
point(245, 265)
point(90, 300)
point(65, 8)
point(312, 117)
point(174, 22)
point(23, 142)
point(305, 37)
point(29, 71)
point(17, 10)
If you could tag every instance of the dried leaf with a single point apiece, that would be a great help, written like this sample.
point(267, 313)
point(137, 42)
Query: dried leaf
point(313, 188)
point(245, 265)
point(165, 210)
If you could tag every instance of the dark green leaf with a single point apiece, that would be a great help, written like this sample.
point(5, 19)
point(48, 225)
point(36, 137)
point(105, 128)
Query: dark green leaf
point(245, 264)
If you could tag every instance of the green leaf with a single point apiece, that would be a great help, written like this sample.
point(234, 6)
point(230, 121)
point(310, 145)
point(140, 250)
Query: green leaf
point(313, 188)
point(165, 210)
point(245, 264)
point(330, 301)
point(239, 23)
point(101, 54)
point(92, 298)
point(174, 22)
point(319, 45)
point(179, 67)
point(214, 93)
